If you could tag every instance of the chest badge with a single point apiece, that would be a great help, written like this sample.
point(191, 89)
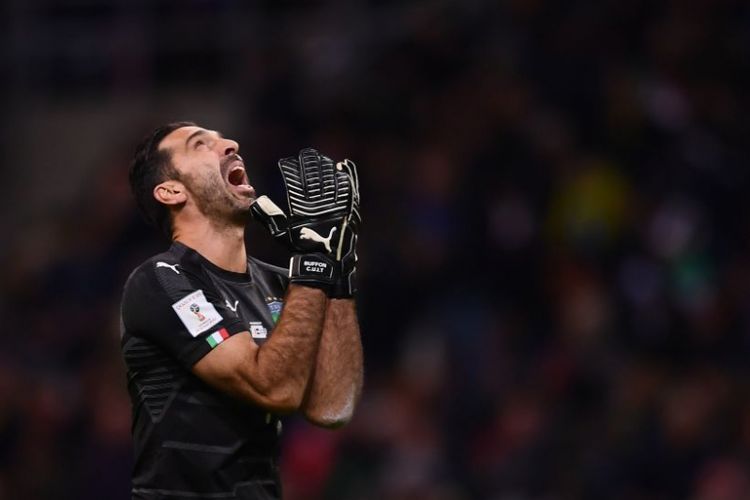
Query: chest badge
point(257, 330)
point(275, 305)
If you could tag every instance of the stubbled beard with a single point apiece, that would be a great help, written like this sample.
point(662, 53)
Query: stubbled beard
point(214, 201)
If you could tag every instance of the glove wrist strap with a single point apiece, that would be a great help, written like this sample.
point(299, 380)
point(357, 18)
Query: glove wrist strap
point(313, 269)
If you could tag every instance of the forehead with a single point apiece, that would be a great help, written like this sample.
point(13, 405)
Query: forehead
point(177, 138)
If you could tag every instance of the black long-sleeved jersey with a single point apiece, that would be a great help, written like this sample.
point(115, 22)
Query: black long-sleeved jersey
point(192, 440)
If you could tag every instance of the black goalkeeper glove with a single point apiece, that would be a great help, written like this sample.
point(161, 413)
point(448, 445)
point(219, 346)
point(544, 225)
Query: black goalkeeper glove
point(320, 200)
point(346, 253)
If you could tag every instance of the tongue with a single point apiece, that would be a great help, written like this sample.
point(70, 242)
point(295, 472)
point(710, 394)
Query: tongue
point(236, 177)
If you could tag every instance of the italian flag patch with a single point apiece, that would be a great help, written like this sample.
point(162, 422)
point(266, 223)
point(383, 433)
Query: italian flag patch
point(217, 337)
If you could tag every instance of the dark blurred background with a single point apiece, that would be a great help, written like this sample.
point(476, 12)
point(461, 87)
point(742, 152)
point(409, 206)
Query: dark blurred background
point(555, 259)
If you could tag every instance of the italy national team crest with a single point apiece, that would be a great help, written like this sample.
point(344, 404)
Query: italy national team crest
point(275, 305)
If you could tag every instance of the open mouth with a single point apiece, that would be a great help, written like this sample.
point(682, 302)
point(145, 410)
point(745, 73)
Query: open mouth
point(236, 177)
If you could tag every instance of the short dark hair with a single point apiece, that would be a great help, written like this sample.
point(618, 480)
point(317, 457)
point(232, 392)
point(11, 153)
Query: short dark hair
point(150, 167)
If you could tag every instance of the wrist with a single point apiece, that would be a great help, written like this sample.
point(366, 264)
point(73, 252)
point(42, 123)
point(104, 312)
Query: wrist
point(345, 284)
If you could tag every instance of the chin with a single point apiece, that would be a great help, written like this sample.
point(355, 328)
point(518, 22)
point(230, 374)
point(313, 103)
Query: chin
point(238, 218)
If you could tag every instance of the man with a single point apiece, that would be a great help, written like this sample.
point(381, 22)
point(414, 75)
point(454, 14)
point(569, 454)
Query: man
point(218, 344)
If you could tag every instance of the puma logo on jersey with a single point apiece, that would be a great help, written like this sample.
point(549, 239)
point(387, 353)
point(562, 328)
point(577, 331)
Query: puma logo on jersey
point(230, 306)
point(173, 267)
point(309, 234)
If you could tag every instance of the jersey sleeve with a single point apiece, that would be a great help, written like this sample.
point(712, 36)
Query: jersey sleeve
point(275, 277)
point(180, 311)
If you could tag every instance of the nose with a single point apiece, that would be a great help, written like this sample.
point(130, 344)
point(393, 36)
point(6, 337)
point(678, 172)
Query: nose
point(229, 147)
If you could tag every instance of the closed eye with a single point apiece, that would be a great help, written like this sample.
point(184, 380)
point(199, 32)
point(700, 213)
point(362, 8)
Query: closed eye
point(201, 139)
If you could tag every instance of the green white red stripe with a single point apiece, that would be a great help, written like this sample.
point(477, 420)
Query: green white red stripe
point(217, 337)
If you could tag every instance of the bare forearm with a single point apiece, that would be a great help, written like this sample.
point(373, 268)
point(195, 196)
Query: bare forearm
point(276, 374)
point(286, 360)
point(337, 380)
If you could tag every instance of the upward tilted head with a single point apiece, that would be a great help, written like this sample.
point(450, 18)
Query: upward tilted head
point(183, 170)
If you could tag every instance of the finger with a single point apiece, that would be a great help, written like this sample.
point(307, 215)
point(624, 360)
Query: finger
point(328, 177)
point(265, 205)
point(293, 181)
point(319, 173)
point(344, 190)
point(350, 168)
point(310, 170)
point(268, 213)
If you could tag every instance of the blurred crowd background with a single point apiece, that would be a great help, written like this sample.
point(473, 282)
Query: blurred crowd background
point(555, 256)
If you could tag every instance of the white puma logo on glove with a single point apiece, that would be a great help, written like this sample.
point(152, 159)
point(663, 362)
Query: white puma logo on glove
point(310, 234)
point(172, 267)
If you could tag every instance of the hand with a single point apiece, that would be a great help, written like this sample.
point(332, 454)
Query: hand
point(320, 199)
point(346, 254)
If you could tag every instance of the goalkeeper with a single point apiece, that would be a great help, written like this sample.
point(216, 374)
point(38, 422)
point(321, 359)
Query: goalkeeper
point(218, 344)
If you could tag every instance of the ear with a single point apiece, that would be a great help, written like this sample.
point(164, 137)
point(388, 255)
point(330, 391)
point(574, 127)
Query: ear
point(170, 193)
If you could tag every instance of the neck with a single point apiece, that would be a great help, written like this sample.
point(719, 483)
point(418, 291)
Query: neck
point(222, 245)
